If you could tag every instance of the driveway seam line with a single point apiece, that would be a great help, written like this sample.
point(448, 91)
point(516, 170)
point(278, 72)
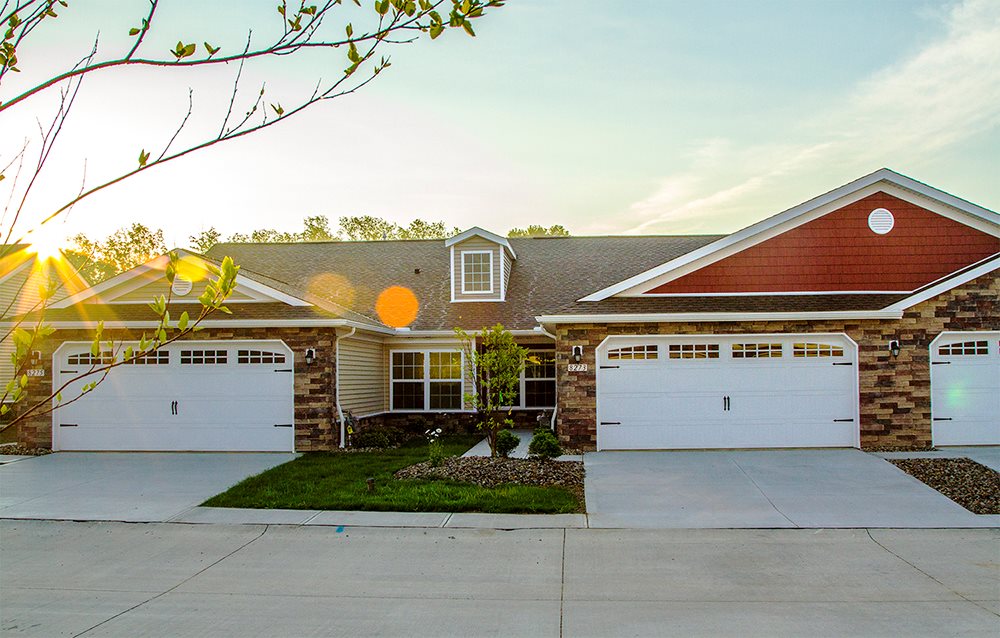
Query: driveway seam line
point(562, 583)
point(306, 522)
point(965, 598)
point(447, 519)
point(164, 593)
point(766, 497)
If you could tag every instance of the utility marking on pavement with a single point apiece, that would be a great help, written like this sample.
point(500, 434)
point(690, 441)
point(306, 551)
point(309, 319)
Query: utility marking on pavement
point(340, 529)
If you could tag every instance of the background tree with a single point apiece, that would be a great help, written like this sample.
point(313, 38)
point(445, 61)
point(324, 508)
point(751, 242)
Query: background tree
point(535, 230)
point(359, 58)
point(203, 241)
point(368, 228)
point(123, 250)
point(494, 364)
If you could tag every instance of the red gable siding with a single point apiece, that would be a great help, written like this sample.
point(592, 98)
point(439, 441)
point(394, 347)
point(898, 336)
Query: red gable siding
point(839, 252)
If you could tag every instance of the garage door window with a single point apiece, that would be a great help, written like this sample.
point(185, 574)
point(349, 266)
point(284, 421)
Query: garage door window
point(259, 356)
point(632, 353)
point(693, 351)
point(756, 350)
point(811, 350)
point(158, 357)
point(965, 348)
point(88, 359)
point(204, 357)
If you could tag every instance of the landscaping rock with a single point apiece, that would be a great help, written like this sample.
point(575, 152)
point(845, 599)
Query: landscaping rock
point(493, 472)
point(972, 485)
point(20, 450)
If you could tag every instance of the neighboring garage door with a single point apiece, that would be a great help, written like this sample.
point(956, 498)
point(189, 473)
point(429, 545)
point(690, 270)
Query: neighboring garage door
point(197, 395)
point(965, 388)
point(740, 391)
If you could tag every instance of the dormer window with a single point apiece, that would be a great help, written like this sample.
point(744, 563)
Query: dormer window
point(477, 272)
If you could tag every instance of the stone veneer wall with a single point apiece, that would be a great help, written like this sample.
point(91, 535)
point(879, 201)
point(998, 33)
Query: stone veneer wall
point(449, 422)
point(895, 393)
point(315, 427)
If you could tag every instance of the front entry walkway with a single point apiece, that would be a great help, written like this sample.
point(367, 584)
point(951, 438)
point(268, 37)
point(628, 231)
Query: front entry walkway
point(763, 489)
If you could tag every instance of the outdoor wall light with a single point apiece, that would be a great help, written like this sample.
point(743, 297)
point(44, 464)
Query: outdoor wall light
point(894, 348)
point(577, 353)
point(310, 356)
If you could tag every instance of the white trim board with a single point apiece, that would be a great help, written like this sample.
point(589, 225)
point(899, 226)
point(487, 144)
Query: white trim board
point(719, 316)
point(476, 231)
point(884, 179)
point(946, 285)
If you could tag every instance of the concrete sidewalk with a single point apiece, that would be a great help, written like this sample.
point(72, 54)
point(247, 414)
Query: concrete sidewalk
point(115, 579)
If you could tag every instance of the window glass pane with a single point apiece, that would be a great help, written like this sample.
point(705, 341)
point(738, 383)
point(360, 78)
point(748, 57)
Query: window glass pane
point(446, 395)
point(539, 394)
point(634, 352)
point(693, 351)
point(446, 365)
point(965, 348)
point(477, 272)
point(407, 395)
point(756, 350)
point(541, 364)
point(407, 365)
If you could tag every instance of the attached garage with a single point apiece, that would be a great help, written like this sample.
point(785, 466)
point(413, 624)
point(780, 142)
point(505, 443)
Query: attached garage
point(187, 396)
point(735, 391)
point(965, 388)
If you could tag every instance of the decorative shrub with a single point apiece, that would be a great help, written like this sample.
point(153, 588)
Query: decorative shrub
point(506, 442)
point(378, 438)
point(544, 445)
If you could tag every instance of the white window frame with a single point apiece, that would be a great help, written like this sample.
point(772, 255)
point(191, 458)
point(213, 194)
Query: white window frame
point(425, 380)
point(465, 290)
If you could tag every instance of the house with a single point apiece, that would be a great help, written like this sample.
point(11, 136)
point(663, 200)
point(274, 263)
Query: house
point(22, 274)
point(867, 316)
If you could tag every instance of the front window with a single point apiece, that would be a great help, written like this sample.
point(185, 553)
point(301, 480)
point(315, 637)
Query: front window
point(427, 380)
point(539, 380)
point(477, 272)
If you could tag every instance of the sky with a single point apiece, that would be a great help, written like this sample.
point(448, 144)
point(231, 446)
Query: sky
point(646, 117)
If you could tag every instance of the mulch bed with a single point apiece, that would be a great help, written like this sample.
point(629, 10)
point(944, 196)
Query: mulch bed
point(972, 485)
point(493, 472)
point(20, 450)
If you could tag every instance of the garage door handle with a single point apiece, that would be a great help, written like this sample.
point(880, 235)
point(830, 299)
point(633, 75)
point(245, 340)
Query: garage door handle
point(843, 363)
point(284, 370)
point(69, 425)
point(943, 418)
point(940, 363)
point(611, 422)
point(283, 425)
point(843, 420)
point(609, 367)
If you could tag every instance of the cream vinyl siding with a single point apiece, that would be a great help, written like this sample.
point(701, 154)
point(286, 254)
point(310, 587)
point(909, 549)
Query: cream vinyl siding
point(363, 376)
point(476, 244)
point(156, 286)
point(20, 299)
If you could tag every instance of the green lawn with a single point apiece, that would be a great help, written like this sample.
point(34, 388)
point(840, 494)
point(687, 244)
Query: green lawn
point(336, 481)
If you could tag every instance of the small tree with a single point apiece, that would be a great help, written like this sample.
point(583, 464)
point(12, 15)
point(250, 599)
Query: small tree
point(495, 369)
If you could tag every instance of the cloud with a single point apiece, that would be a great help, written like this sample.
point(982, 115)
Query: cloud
point(945, 94)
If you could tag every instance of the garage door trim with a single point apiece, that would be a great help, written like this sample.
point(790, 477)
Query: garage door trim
point(932, 349)
point(608, 340)
point(58, 380)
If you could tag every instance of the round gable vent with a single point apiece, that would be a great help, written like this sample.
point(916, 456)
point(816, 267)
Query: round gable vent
point(181, 286)
point(881, 221)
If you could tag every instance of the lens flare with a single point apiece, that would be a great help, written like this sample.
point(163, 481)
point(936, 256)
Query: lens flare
point(45, 243)
point(397, 306)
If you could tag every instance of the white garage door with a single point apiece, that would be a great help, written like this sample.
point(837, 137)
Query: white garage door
point(965, 388)
point(199, 396)
point(740, 391)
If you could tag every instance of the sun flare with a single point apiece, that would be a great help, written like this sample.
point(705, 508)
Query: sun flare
point(45, 244)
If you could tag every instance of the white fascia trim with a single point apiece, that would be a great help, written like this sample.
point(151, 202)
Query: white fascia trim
point(798, 215)
point(476, 231)
point(777, 294)
point(721, 316)
point(451, 333)
point(223, 323)
point(452, 272)
point(153, 264)
point(946, 285)
point(18, 268)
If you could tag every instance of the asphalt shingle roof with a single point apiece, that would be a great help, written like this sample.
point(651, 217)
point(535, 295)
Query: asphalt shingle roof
point(549, 273)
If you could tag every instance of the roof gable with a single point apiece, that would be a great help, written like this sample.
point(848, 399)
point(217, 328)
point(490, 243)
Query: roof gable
point(476, 231)
point(932, 200)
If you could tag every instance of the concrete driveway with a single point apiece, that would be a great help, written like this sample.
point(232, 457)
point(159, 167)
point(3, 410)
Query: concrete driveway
point(134, 487)
point(763, 489)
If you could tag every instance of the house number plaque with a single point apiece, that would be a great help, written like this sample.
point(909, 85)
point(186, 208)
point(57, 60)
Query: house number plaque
point(577, 367)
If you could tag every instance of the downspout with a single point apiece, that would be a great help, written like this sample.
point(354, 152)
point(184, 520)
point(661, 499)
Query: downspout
point(552, 421)
point(336, 382)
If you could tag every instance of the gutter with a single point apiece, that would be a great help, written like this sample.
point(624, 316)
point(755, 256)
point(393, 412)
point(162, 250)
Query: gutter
point(336, 384)
point(720, 316)
point(552, 422)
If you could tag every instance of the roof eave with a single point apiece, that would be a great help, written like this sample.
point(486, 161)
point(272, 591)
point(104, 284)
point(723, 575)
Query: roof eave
point(680, 317)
